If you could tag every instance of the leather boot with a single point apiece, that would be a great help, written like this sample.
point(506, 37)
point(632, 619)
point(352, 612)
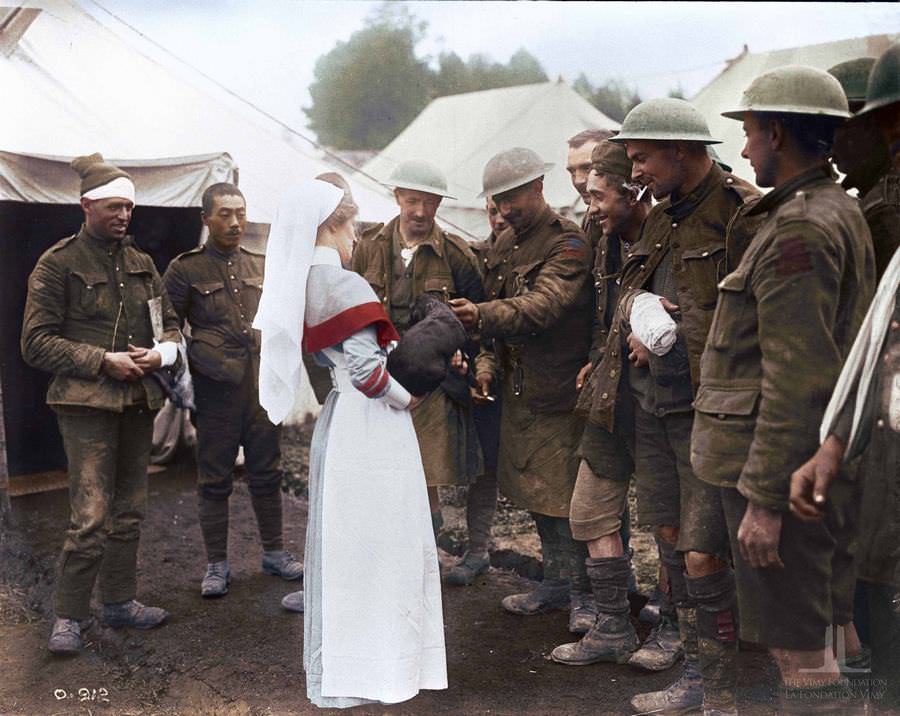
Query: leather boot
point(611, 637)
point(686, 694)
point(663, 648)
point(582, 605)
point(553, 591)
point(717, 636)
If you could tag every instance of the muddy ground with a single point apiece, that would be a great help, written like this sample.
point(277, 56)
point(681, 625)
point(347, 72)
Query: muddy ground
point(241, 655)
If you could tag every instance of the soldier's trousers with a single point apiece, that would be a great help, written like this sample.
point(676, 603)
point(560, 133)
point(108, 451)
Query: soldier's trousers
point(107, 454)
point(227, 417)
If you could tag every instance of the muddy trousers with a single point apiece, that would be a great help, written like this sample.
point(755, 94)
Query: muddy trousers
point(107, 455)
point(563, 556)
point(481, 503)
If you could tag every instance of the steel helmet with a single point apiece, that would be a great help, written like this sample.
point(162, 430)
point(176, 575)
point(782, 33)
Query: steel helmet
point(884, 81)
point(854, 76)
point(794, 89)
point(665, 119)
point(510, 169)
point(419, 176)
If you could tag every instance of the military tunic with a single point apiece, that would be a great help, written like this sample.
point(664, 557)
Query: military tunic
point(442, 265)
point(537, 321)
point(217, 293)
point(88, 296)
point(786, 319)
point(881, 207)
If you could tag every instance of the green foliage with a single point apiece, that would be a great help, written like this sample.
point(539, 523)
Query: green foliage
point(366, 90)
point(677, 92)
point(369, 88)
point(614, 98)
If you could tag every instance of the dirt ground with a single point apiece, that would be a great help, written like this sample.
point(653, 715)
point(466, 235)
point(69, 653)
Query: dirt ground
point(241, 655)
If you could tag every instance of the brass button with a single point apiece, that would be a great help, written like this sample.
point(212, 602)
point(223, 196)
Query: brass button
point(659, 246)
point(604, 395)
point(721, 416)
point(499, 278)
point(121, 285)
point(118, 269)
point(729, 180)
point(612, 373)
point(231, 277)
point(235, 290)
point(516, 247)
point(879, 423)
point(674, 224)
point(705, 254)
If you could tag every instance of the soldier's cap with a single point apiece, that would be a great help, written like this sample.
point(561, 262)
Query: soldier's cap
point(884, 81)
point(794, 89)
point(854, 77)
point(511, 168)
point(102, 180)
point(665, 119)
point(610, 158)
point(419, 176)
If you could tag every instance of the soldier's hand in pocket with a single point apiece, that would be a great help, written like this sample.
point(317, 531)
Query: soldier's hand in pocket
point(582, 375)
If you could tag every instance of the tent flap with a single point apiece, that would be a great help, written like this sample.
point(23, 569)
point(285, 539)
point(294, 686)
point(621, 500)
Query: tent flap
point(177, 182)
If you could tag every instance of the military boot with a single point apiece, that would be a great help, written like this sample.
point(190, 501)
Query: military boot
point(553, 591)
point(469, 566)
point(717, 637)
point(215, 581)
point(612, 637)
point(686, 694)
point(282, 564)
point(548, 595)
point(662, 649)
point(293, 602)
point(133, 614)
point(65, 637)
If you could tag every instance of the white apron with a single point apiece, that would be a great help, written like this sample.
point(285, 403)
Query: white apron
point(381, 619)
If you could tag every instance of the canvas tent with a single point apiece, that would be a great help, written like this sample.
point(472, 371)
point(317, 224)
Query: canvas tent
point(724, 92)
point(173, 129)
point(460, 133)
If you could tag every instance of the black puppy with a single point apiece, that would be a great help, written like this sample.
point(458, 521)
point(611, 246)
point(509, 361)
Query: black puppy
point(421, 360)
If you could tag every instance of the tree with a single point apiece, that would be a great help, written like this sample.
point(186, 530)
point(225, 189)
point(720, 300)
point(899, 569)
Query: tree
point(367, 89)
point(614, 98)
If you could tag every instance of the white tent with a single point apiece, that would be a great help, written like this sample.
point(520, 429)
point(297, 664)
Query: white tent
point(724, 92)
point(460, 133)
point(73, 86)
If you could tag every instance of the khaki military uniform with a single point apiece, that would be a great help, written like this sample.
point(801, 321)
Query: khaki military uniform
point(681, 255)
point(442, 265)
point(87, 296)
point(218, 294)
point(881, 207)
point(786, 319)
point(609, 454)
point(537, 323)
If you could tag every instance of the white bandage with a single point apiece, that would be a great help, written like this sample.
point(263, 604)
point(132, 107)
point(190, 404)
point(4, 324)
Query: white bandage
point(168, 351)
point(652, 324)
point(118, 188)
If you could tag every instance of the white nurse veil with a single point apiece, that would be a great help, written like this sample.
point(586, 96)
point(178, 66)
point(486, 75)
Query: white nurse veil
point(292, 239)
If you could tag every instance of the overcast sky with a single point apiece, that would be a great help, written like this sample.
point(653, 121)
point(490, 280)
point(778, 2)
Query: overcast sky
point(265, 50)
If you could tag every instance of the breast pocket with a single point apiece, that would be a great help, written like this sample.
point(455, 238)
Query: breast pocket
point(209, 297)
point(704, 267)
point(87, 293)
point(440, 286)
point(140, 284)
point(252, 290)
point(733, 299)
